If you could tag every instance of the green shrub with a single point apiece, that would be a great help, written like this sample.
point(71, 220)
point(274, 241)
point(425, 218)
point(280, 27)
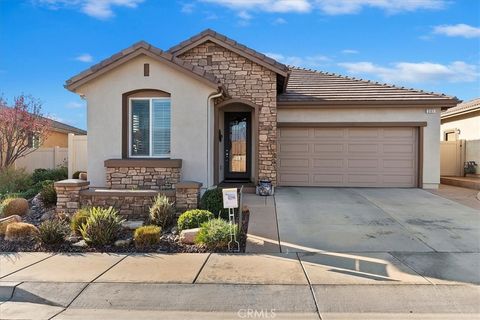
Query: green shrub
point(14, 206)
point(147, 236)
point(212, 200)
point(57, 174)
point(53, 231)
point(13, 181)
point(102, 227)
point(214, 234)
point(193, 219)
point(79, 218)
point(161, 211)
point(48, 193)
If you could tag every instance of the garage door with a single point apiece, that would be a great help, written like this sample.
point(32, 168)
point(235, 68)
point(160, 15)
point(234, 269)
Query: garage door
point(343, 157)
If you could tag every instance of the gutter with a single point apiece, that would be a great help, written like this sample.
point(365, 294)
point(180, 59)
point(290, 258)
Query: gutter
point(210, 98)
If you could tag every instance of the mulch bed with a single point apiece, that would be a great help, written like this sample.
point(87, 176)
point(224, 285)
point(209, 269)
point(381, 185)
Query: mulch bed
point(169, 242)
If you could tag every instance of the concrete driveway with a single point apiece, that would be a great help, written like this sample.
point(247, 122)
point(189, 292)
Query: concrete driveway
point(374, 220)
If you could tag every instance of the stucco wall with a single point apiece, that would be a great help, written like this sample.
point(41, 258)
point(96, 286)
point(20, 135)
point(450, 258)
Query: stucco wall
point(189, 116)
point(56, 139)
point(469, 126)
point(431, 146)
point(469, 130)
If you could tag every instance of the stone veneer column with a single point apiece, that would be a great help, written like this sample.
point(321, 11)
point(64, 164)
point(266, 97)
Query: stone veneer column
point(244, 79)
point(187, 195)
point(68, 194)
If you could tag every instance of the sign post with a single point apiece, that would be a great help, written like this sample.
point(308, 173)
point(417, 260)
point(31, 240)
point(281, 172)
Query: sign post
point(230, 202)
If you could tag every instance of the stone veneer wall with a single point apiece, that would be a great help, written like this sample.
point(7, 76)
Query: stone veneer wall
point(246, 80)
point(142, 178)
point(131, 204)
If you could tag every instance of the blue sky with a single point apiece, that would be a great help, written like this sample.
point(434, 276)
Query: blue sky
point(427, 44)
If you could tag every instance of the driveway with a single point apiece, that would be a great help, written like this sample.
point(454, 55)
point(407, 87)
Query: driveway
point(374, 220)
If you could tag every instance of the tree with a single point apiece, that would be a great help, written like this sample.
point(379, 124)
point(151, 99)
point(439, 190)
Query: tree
point(20, 125)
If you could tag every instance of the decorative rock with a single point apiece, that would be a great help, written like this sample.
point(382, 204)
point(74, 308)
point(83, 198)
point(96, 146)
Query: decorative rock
point(132, 224)
point(123, 243)
point(15, 206)
point(73, 239)
point(4, 222)
point(188, 236)
point(83, 176)
point(80, 244)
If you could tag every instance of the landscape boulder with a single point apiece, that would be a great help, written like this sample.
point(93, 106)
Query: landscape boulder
point(15, 206)
point(20, 231)
point(188, 236)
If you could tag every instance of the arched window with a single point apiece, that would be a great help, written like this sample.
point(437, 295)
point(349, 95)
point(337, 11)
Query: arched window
point(149, 124)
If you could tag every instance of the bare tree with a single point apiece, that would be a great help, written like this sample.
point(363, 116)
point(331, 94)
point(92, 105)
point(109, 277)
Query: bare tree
point(22, 129)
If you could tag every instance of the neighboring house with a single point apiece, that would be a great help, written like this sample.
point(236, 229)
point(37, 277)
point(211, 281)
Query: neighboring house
point(58, 134)
point(212, 110)
point(53, 152)
point(463, 123)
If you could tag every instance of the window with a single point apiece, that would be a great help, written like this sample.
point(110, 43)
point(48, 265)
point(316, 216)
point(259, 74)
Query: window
point(450, 135)
point(150, 127)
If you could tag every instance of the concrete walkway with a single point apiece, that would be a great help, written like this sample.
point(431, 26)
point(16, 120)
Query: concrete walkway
point(224, 286)
point(465, 196)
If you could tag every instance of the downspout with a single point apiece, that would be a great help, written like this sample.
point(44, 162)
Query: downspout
point(209, 139)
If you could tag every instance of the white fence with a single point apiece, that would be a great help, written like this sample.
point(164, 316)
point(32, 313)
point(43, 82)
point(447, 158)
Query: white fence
point(48, 158)
point(77, 153)
point(75, 157)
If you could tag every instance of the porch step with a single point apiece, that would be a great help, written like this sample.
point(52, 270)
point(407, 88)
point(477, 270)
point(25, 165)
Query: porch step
point(248, 187)
point(464, 182)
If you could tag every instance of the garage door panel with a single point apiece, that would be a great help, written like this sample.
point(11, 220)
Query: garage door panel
point(294, 147)
point(356, 157)
point(327, 163)
point(328, 148)
point(294, 163)
point(399, 148)
point(398, 164)
point(329, 132)
point(362, 148)
point(295, 133)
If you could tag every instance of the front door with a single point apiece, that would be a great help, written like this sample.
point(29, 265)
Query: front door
point(237, 146)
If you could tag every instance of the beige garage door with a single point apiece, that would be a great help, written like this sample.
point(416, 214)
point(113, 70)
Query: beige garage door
point(355, 157)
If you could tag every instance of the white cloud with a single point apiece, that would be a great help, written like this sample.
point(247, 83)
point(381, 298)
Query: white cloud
point(458, 30)
point(100, 9)
point(408, 72)
point(279, 21)
point(187, 8)
point(338, 7)
point(307, 62)
point(84, 57)
point(349, 51)
point(244, 15)
point(74, 105)
point(266, 5)
point(330, 7)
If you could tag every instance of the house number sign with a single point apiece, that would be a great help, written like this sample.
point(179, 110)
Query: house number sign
point(230, 202)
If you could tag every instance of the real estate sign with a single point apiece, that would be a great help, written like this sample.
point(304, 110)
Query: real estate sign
point(230, 198)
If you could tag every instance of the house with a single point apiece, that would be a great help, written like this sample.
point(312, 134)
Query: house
point(462, 123)
point(212, 110)
point(58, 134)
point(53, 151)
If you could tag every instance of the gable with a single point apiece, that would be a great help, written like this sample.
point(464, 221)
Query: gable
point(136, 50)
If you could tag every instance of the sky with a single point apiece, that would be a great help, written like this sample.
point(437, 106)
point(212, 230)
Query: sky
point(433, 45)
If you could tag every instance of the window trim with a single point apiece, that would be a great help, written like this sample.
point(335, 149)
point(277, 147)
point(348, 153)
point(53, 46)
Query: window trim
point(448, 131)
point(129, 132)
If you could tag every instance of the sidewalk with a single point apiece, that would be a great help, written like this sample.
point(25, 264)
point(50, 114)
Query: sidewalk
point(224, 286)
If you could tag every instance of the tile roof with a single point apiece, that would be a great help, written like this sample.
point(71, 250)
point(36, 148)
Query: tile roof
point(461, 108)
point(211, 35)
point(315, 87)
point(65, 128)
point(136, 49)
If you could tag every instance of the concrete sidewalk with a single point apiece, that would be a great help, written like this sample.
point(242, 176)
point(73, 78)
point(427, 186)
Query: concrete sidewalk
point(224, 286)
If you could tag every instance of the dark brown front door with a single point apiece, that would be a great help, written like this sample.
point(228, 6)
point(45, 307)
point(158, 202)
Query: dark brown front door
point(237, 145)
